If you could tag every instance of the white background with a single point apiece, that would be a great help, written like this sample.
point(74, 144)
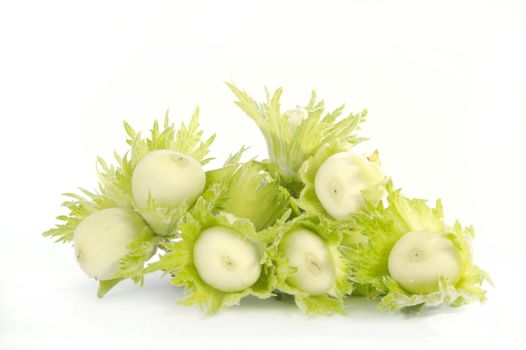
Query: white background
point(445, 85)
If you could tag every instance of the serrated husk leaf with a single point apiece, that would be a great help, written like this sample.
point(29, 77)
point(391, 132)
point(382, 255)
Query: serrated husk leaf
point(288, 147)
point(383, 226)
point(253, 193)
point(179, 260)
point(116, 180)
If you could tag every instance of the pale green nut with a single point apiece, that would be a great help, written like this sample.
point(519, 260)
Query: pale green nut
point(170, 177)
point(225, 260)
point(102, 239)
point(340, 180)
point(420, 258)
point(308, 253)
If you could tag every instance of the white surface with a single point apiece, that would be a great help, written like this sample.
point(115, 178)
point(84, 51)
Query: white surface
point(445, 87)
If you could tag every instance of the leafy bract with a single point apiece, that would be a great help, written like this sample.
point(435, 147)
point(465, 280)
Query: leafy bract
point(178, 260)
point(114, 190)
point(186, 139)
point(262, 202)
point(251, 192)
point(141, 249)
point(117, 179)
point(132, 265)
point(383, 226)
point(332, 234)
point(235, 158)
point(289, 146)
point(80, 207)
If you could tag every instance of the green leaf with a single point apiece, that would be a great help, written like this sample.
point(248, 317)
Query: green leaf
point(79, 208)
point(163, 220)
point(106, 285)
point(116, 180)
point(178, 261)
point(115, 190)
point(319, 305)
point(141, 250)
point(332, 233)
point(383, 227)
point(253, 193)
point(132, 265)
point(188, 139)
point(290, 145)
point(235, 158)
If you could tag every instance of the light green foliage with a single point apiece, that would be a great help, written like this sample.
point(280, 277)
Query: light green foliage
point(107, 285)
point(161, 219)
point(115, 191)
point(141, 249)
point(383, 226)
point(252, 192)
point(288, 148)
point(79, 208)
point(117, 179)
point(265, 201)
point(132, 265)
point(179, 259)
point(235, 158)
point(188, 141)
